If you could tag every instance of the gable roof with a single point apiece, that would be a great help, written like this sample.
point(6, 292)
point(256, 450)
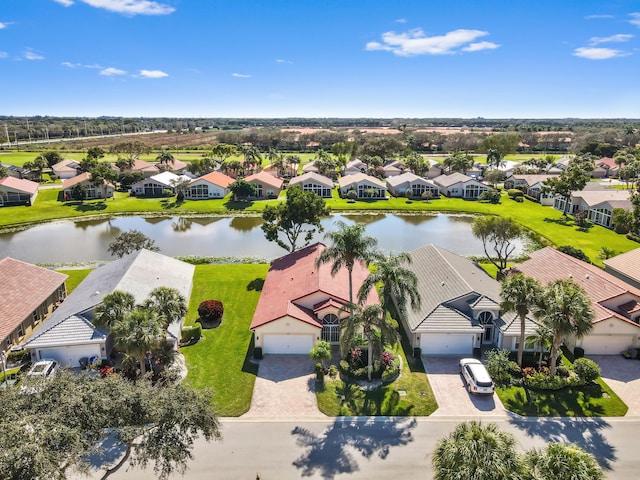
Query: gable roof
point(627, 264)
point(215, 178)
point(24, 287)
point(452, 179)
point(73, 331)
point(66, 165)
point(312, 177)
point(615, 198)
point(83, 177)
point(294, 276)
point(20, 184)
point(360, 177)
point(408, 177)
point(264, 177)
point(532, 179)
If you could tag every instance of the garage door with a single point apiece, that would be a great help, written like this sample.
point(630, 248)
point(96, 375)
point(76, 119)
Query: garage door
point(70, 356)
point(447, 344)
point(288, 344)
point(606, 344)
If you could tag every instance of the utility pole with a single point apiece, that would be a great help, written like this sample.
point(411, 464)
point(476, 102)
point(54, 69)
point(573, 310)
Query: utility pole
point(28, 130)
point(6, 131)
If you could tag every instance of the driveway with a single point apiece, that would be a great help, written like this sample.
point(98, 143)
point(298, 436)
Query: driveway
point(449, 389)
point(623, 376)
point(284, 388)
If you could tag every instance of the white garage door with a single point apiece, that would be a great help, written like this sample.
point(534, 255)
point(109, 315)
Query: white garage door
point(291, 344)
point(446, 344)
point(70, 356)
point(606, 344)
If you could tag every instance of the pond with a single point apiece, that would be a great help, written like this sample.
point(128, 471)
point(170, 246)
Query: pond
point(85, 241)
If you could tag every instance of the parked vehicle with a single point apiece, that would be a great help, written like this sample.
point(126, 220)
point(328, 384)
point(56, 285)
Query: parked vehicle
point(476, 376)
point(43, 369)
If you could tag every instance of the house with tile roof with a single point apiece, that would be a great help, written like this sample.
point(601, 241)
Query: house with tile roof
point(314, 182)
point(616, 303)
point(398, 185)
point(267, 186)
point(68, 334)
point(364, 185)
point(15, 171)
point(211, 185)
point(28, 295)
point(148, 169)
point(66, 168)
point(393, 167)
point(532, 185)
point(101, 191)
point(460, 307)
point(599, 204)
point(17, 191)
point(157, 185)
point(355, 166)
point(302, 303)
point(625, 266)
point(460, 185)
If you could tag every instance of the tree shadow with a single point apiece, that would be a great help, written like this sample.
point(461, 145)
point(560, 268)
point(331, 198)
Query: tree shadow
point(584, 432)
point(87, 207)
point(168, 204)
point(255, 285)
point(564, 221)
point(238, 204)
point(331, 453)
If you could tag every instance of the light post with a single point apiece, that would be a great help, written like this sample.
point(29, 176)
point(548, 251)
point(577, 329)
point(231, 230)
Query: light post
point(3, 360)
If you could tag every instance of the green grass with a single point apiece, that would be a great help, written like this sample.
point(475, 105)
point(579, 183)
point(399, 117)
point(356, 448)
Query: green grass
point(75, 277)
point(220, 362)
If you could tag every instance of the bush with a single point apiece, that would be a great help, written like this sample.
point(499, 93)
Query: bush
point(514, 193)
point(18, 356)
point(574, 252)
point(344, 366)
point(491, 196)
point(500, 367)
point(211, 310)
point(587, 370)
point(190, 334)
point(333, 371)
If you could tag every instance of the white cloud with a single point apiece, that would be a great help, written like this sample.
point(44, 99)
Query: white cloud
point(596, 17)
point(415, 42)
point(281, 60)
point(152, 74)
point(126, 7)
point(476, 47)
point(4, 24)
point(635, 19)
point(240, 75)
point(29, 54)
point(401, 20)
point(71, 65)
point(4, 54)
point(112, 71)
point(620, 37)
point(593, 53)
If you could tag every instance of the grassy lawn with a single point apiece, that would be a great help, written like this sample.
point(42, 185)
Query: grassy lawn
point(221, 361)
point(75, 277)
point(418, 398)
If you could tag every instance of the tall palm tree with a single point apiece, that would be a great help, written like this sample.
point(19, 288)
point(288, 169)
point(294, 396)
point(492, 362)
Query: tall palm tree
point(479, 452)
point(168, 304)
point(459, 162)
point(371, 321)
point(113, 308)
point(494, 157)
point(540, 338)
point(519, 294)
point(566, 309)
point(251, 157)
point(348, 246)
point(399, 285)
point(561, 460)
point(137, 332)
point(165, 158)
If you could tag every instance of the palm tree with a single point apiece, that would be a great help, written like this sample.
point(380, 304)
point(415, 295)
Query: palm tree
point(165, 158)
point(291, 163)
point(137, 332)
point(479, 452)
point(459, 162)
point(561, 460)
point(399, 285)
point(113, 308)
point(494, 158)
point(541, 338)
point(168, 304)
point(251, 157)
point(372, 322)
point(566, 309)
point(519, 294)
point(348, 246)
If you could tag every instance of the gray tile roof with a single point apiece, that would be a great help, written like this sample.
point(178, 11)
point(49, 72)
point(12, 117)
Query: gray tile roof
point(313, 178)
point(448, 320)
point(509, 325)
point(74, 330)
point(628, 264)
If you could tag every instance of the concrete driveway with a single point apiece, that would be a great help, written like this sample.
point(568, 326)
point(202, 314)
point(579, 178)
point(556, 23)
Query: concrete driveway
point(623, 376)
point(450, 391)
point(284, 388)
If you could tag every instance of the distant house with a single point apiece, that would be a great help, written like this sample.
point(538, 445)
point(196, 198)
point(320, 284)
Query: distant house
point(393, 167)
point(598, 203)
point(28, 294)
point(148, 169)
point(310, 167)
point(177, 166)
point(15, 171)
point(506, 166)
point(68, 334)
point(625, 266)
point(459, 185)
point(267, 186)
point(616, 304)
point(301, 303)
point(101, 191)
point(16, 191)
point(364, 185)
point(314, 182)
point(355, 166)
point(157, 185)
point(460, 307)
point(399, 184)
point(608, 166)
point(66, 168)
point(211, 185)
point(532, 185)
point(435, 169)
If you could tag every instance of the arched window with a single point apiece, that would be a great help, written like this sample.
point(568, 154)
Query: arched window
point(485, 318)
point(330, 328)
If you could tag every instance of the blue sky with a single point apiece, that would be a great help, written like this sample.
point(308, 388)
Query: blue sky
point(321, 58)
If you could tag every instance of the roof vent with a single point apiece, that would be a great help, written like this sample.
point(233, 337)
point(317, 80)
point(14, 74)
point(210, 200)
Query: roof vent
point(587, 276)
point(442, 284)
point(570, 275)
point(97, 292)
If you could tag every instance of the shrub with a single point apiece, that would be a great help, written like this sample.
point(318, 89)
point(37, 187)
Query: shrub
point(211, 310)
point(352, 194)
point(333, 371)
point(587, 370)
point(190, 334)
point(344, 366)
point(574, 252)
point(491, 196)
point(514, 193)
point(500, 367)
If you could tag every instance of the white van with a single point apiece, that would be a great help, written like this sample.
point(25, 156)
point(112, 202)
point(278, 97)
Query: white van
point(476, 376)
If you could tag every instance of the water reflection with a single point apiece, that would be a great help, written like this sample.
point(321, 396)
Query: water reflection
point(66, 241)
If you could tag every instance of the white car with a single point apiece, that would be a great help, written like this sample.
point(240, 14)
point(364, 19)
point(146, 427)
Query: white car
point(43, 369)
point(476, 376)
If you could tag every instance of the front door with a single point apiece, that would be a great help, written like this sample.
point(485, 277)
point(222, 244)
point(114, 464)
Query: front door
point(488, 334)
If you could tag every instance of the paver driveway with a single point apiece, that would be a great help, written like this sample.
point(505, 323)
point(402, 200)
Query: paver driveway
point(285, 387)
point(623, 376)
point(450, 391)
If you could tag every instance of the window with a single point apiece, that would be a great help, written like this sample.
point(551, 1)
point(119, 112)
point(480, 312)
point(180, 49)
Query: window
point(330, 328)
point(20, 331)
point(199, 191)
point(601, 216)
point(485, 318)
point(472, 191)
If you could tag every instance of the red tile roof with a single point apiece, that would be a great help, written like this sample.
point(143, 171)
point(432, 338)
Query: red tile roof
point(23, 289)
point(86, 176)
point(293, 278)
point(19, 184)
point(216, 178)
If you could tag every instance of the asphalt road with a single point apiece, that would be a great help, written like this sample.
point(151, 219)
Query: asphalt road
point(384, 448)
